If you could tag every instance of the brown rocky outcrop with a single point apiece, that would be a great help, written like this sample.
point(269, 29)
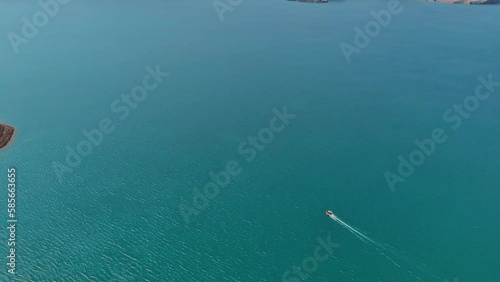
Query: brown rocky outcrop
point(6, 135)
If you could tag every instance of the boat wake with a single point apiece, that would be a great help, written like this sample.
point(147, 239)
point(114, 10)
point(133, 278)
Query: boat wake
point(392, 254)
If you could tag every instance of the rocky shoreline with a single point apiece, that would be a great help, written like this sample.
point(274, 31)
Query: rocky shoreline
point(467, 2)
point(6, 135)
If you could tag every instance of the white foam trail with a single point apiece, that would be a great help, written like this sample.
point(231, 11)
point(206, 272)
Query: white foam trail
point(383, 249)
point(365, 239)
point(357, 232)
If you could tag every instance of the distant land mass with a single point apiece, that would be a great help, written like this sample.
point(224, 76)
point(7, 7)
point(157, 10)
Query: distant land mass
point(467, 2)
point(6, 134)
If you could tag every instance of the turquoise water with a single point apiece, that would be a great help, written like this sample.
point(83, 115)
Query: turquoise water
point(116, 216)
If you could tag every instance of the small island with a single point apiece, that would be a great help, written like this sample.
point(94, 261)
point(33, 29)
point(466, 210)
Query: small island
point(467, 2)
point(6, 135)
